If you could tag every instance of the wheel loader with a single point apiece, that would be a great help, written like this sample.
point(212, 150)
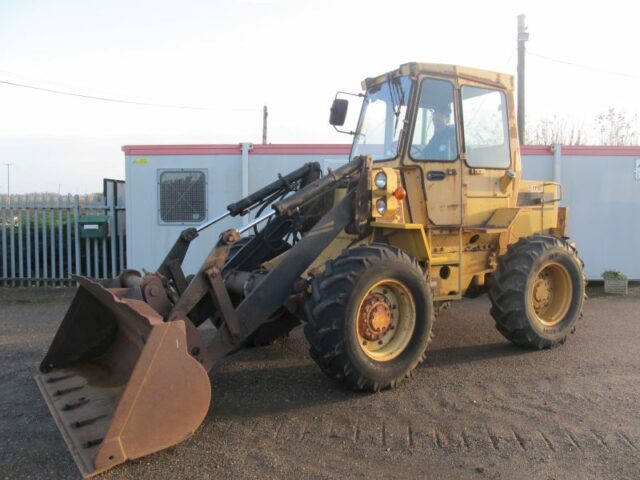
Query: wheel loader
point(431, 207)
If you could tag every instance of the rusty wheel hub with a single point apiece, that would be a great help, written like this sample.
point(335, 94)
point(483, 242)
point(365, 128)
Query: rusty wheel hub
point(385, 320)
point(542, 291)
point(375, 318)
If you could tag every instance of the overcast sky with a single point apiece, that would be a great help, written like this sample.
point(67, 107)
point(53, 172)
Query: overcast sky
point(231, 58)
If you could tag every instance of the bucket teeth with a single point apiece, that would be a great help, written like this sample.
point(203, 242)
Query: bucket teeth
point(94, 443)
point(72, 406)
point(65, 391)
point(58, 379)
point(88, 421)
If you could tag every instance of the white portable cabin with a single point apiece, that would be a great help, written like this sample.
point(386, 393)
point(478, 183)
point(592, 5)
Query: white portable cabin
point(172, 187)
point(601, 187)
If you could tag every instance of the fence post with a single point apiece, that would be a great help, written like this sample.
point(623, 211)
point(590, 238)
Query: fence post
point(103, 242)
point(76, 213)
point(20, 242)
point(60, 244)
point(111, 200)
point(87, 246)
point(45, 251)
point(5, 273)
point(13, 242)
point(36, 237)
point(52, 236)
point(94, 241)
point(121, 246)
point(67, 212)
point(28, 214)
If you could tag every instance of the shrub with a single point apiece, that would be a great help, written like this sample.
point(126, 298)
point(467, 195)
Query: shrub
point(614, 275)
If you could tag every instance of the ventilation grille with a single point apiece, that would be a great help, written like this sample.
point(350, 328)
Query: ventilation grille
point(183, 196)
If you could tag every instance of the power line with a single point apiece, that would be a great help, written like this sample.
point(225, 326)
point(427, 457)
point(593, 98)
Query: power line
point(114, 100)
point(588, 67)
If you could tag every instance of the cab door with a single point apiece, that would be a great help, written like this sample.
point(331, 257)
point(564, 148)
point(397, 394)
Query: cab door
point(487, 171)
point(435, 148)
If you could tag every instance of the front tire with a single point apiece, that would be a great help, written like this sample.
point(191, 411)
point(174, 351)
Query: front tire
point(370, 317)
point(538, 292)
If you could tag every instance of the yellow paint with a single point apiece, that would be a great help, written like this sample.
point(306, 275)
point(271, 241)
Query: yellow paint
point(461, 220)
point(410, 237)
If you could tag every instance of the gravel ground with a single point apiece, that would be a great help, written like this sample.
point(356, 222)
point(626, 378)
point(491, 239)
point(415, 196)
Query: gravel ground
point(477, 408)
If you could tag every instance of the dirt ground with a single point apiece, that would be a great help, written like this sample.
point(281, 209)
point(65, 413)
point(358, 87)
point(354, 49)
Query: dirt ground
point(477, 408)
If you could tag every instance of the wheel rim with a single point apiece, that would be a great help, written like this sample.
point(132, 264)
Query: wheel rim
point(551, 294)
point(385, 321)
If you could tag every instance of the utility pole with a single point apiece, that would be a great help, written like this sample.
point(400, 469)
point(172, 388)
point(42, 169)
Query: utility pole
point(523, 36)
point(265, 114)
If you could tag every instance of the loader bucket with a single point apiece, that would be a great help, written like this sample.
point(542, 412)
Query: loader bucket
point(119, 381)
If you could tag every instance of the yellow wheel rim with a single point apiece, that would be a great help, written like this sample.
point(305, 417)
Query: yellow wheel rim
point(385, 320)
point(551, 294)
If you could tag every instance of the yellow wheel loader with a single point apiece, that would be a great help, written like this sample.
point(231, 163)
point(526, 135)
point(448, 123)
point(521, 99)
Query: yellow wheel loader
point(430, 207)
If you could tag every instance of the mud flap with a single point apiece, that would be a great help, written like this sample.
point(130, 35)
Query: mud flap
point(119, 381)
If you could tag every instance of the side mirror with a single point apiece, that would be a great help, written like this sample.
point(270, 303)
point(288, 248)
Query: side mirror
point(338, 112)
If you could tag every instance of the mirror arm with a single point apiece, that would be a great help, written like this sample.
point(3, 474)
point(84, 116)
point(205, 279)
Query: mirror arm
point(344, 131)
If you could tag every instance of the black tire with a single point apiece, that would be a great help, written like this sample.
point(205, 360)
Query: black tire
point(539, 263)
point(338, 295)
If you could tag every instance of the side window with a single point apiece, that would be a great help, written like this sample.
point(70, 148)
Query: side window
point(434, 136)
point(182, 196)
point(486, 130)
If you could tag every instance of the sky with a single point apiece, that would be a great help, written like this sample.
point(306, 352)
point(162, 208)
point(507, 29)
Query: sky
point(225, 60)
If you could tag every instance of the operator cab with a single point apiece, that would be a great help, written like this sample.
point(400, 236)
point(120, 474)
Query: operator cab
point(435, 129)
point(450, 122)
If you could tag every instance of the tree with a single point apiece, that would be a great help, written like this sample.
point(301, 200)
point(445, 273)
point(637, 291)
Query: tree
point(555, 130)
point(617, 128)
point(613, 127)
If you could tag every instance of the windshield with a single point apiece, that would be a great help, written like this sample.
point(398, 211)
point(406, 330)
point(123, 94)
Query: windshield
point(382, 119)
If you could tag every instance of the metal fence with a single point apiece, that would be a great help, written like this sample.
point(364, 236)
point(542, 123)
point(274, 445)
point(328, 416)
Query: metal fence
point(42, 242)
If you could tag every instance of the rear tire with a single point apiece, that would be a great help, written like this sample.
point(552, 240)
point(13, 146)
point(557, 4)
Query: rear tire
point(369, 317)
point(538, 292)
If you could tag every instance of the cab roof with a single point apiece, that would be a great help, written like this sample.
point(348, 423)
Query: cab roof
point(496, 79)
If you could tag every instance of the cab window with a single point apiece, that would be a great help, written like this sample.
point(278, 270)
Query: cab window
point(486, 130)
point(434, 135)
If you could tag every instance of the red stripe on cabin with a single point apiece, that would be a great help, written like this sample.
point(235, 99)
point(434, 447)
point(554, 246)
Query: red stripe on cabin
point(586, 150)
point(341, 149)
point(258, 149)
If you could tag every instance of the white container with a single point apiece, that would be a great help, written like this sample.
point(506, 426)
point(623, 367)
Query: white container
point(616, 287)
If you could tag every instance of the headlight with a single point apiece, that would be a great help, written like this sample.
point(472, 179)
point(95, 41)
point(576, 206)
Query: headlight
point(381, 180)
point(381, 205)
